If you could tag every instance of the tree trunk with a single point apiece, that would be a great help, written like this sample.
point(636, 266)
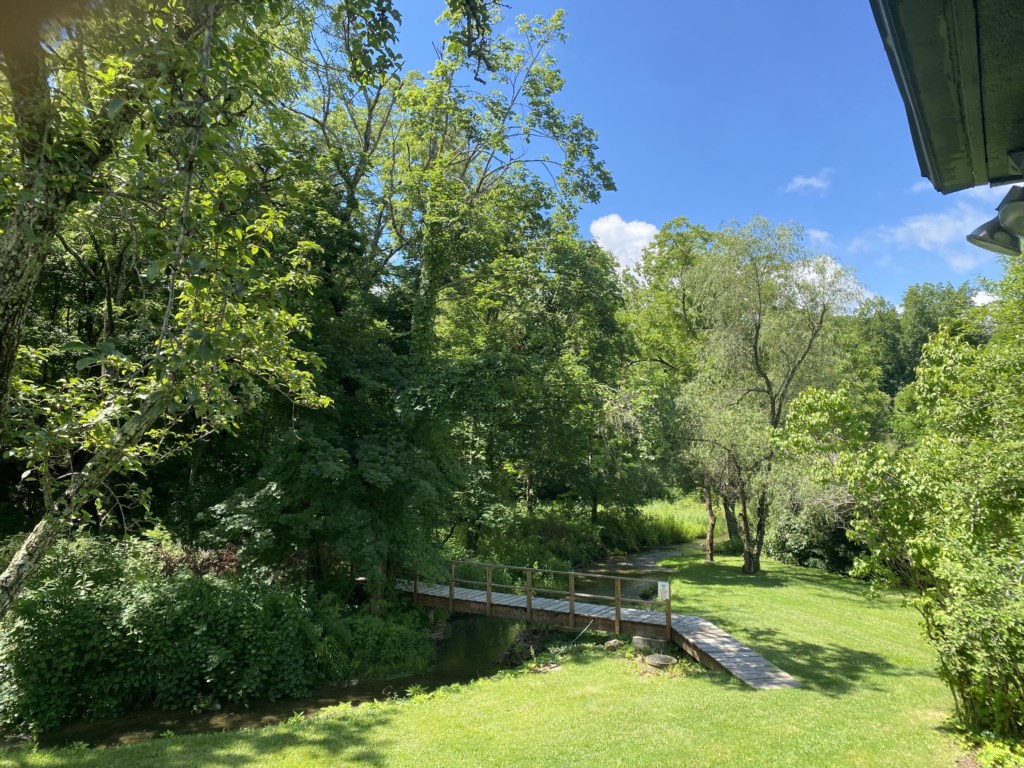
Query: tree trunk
point(709, 544)
point(729, 507)
point(27, 232)
point(752, 547)
point(762, 521)
point(377, 590)
point(26, 561)
point(473, 530)
point(39, 208)
point(751, 562)
point(593, 509)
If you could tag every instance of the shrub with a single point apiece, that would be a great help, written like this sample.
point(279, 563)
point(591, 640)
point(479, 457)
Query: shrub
point(561, 534)
point(201, 638)
point(373, 646)
point(811, 540)
point(107, 626)
point(386, 646)
point(62, 646)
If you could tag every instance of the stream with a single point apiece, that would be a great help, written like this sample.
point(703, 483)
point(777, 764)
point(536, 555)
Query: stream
point(470, 650)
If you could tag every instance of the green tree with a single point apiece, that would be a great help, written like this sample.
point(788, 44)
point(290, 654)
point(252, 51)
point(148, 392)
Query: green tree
point(766, 308)
point(138, 173)
point(163, 134)
point(440, 250)
point(938, 511)
point(891, 339)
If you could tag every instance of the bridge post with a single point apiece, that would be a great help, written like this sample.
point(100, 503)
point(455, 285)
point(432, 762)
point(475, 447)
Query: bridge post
point(490, 570)
point(529, 594)
point(668, 614)
point(618, 606)
point(451, 585)
point(572, 601)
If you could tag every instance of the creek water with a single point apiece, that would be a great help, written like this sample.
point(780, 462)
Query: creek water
point(470, 650)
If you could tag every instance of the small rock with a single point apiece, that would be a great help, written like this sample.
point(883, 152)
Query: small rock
point(613, 645)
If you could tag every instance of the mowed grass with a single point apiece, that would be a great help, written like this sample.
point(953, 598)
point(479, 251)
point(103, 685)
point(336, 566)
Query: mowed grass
point(870, 699)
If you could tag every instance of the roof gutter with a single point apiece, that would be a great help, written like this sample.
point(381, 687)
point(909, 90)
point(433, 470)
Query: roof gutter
point(893, 48)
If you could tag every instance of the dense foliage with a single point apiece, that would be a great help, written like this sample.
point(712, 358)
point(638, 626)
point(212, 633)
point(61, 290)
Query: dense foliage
point(110, 626)
point(937, 502)
point(267, 294)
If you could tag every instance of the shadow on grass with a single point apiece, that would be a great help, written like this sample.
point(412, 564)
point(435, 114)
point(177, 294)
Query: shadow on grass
point(830, 669)
point(725, 573)
point(325, 739)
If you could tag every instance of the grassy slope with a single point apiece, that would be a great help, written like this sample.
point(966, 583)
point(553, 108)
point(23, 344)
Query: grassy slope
point(870, 699)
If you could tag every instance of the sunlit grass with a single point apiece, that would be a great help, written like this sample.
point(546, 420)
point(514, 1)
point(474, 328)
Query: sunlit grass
point(684, 517)
point(870, 698)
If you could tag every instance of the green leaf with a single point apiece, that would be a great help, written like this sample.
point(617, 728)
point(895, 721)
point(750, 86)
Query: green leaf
point(115, 106)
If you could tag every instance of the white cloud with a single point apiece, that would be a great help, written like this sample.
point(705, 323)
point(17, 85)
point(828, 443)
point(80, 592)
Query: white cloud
point(981, 298)
point(818, 183)
point(943, 233)
point(933, 231)
point(625, 239)
point(968, 261)
point(819, 238)
point(922, 186)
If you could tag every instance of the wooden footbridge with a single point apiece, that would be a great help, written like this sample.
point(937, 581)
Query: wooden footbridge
point(634, 606)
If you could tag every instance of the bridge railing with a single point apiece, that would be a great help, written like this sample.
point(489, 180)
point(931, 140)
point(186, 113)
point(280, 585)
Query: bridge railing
point(559, 585)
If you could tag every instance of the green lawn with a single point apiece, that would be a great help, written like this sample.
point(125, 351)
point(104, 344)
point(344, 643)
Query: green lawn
point(870, 699)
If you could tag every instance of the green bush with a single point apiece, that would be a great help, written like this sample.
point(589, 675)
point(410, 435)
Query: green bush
point(975, 619)
point(202, 638)
point(386, 646)
point(360, 643)
point(811, 540)
point(553, 535)
point(108, 626)
point(63, 648)
point(658, 524)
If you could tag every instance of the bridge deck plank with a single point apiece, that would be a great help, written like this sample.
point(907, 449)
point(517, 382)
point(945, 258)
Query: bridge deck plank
point(726, 651)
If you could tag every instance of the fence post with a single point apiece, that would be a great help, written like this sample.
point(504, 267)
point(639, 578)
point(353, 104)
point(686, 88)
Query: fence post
point(490, 569)
point(451, 586)
point(618, 606)
point(572, 601)
point(668, 614)
point(529, 594)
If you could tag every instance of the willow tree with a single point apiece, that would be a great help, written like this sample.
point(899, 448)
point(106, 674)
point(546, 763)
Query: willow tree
point(763, 309)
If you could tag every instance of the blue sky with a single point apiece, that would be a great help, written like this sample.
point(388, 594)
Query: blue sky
point(725, 109)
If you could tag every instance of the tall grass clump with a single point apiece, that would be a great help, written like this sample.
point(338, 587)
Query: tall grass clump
point(679, 520)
